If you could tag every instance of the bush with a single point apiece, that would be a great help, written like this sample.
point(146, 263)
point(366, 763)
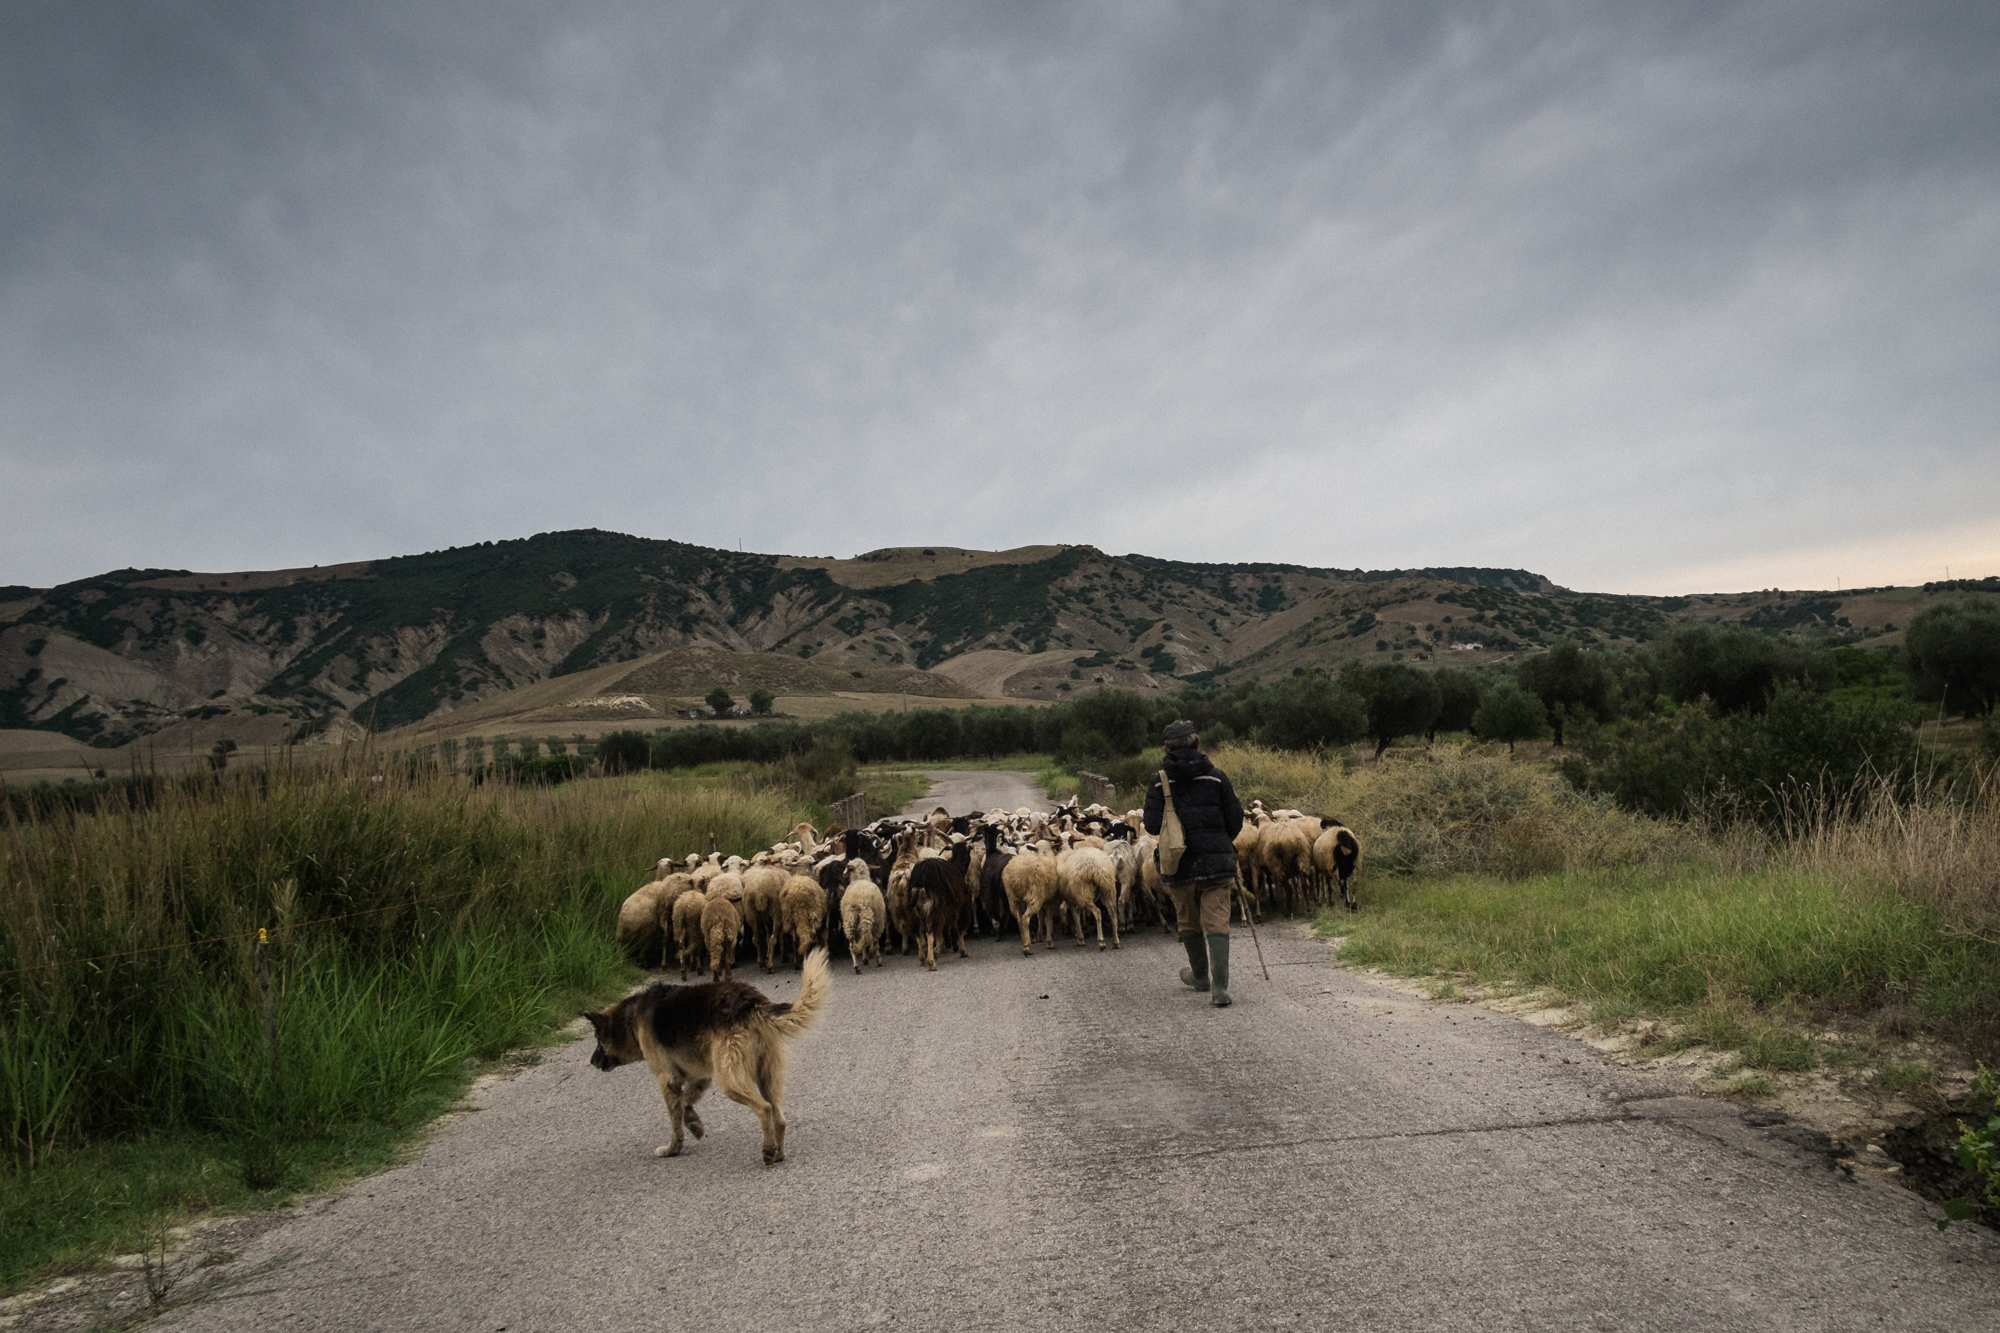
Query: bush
point(1954, 654)
point(622, 751)
point(719, 701)
point(761, 701)
point(1759, 763)
point(1739, 669)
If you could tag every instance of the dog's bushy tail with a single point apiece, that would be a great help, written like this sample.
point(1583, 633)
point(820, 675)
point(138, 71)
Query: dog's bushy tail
point(815, 984)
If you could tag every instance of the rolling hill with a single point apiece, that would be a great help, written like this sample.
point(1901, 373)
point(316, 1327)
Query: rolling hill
point(586, 616)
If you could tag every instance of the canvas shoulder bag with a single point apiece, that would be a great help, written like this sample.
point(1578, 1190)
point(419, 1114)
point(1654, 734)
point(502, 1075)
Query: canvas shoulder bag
point(1173, 841)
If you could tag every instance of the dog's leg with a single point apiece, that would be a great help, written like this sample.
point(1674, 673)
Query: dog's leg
point(739, 1085)
point(771, 1083)
point(671, 1090)
point(693, 1091)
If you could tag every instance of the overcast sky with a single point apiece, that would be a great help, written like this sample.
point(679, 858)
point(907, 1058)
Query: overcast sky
point(1646, 298)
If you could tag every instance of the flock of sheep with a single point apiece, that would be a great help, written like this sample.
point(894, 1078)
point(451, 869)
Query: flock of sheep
point(933, 881)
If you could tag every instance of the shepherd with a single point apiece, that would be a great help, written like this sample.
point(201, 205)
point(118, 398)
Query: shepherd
point(1192, 807)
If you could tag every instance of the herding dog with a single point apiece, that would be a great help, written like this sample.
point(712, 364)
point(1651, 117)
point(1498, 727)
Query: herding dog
point(725, 1031)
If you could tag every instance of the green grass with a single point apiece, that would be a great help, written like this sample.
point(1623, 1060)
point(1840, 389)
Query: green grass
point(419, 930)
point(1899, 1077)
point(1740, 962)
point(372, 1050)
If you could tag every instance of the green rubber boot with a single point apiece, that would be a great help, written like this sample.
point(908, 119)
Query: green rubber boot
point(1195, 974)
point(1218, 971)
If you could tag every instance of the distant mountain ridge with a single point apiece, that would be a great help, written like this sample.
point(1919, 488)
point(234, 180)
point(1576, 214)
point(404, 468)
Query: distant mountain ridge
point(385, 643)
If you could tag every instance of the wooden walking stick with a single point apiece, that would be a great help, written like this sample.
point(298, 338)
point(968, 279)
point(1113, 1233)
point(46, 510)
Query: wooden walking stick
point(1250, 920)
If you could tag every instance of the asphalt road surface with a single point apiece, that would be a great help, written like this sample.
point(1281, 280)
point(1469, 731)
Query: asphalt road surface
point(1075, 1141)
point(962, 791)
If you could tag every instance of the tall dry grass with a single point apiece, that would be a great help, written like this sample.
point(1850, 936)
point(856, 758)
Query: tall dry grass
point(1455, 808)
point(1940, 847)
point(1887, 902)
point(414, 919)
point(1461, 808)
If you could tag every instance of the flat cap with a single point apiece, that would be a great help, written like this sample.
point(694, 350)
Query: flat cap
point(1176, 731)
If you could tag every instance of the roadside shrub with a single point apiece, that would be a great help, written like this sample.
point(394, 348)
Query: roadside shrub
point(1756, 763)
point(1954, 656)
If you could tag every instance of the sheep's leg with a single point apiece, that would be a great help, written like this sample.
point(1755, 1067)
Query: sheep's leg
point(1114, 931)
point(1025, 919)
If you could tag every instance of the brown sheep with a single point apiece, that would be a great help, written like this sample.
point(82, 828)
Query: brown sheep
point(897, 894)
point(1088, 881)
point(1285, 851)
point(1248, 863)
point(940, 906)
point(1031, 883)
point(761, 887)
point(864, 916)
point(1336, 858)
point(639, 925)
point(687, 929)
point(721, 927)
point(801, 913)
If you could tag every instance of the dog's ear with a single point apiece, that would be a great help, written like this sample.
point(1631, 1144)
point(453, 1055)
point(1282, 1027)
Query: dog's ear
point(596, 1017)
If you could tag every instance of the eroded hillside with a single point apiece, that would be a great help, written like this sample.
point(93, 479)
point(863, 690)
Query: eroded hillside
point(292, 654)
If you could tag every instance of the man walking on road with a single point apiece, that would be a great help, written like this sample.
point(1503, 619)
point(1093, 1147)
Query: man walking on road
point(1210, 818)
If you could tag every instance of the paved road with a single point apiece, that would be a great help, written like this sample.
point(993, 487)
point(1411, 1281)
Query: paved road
point(960, 791)
point(1073, 1141)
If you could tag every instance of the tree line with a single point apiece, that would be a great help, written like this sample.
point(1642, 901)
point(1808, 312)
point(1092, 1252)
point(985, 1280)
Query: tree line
point(1661, 727)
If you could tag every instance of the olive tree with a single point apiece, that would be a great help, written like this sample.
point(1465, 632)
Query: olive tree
point(1509, 713)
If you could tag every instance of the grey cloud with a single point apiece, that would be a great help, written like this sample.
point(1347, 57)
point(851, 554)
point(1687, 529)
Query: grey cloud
point(1604, 293)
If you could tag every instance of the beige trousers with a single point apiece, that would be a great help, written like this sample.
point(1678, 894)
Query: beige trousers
point(1201, 906)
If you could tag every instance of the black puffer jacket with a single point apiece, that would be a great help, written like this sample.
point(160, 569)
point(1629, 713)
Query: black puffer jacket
point(1211, 816)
